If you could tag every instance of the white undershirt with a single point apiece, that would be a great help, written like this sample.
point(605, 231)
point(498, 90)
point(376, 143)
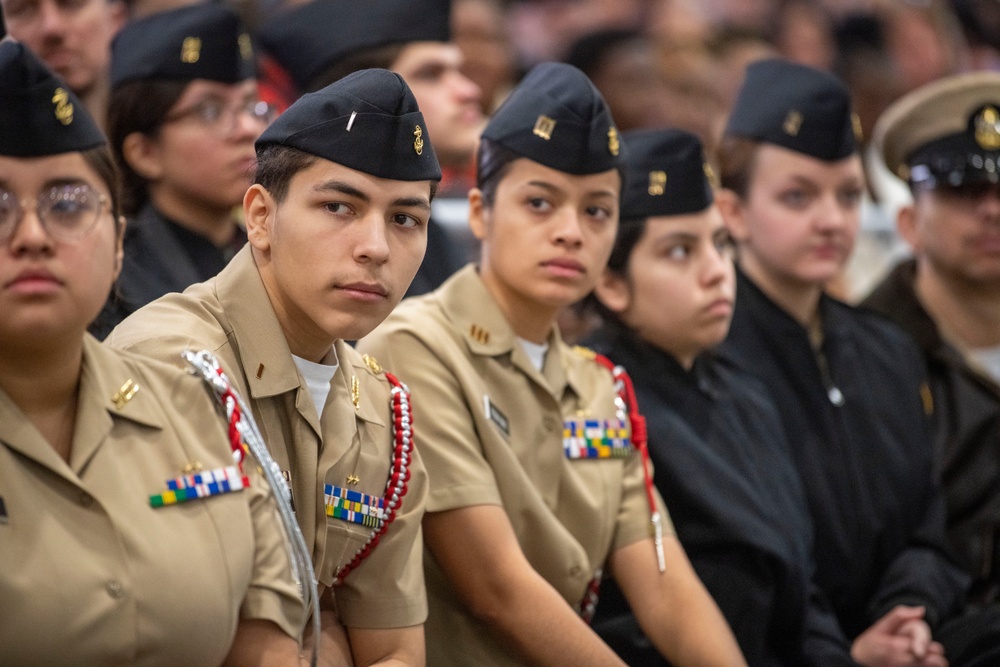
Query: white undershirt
point(536, 352)
point(988, 360)
point(318, 378)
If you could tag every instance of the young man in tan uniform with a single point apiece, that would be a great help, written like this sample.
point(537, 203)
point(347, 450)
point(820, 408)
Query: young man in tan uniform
point(336, 222)
point(535, 487)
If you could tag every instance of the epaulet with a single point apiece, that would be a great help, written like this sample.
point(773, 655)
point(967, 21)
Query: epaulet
point(372, 363)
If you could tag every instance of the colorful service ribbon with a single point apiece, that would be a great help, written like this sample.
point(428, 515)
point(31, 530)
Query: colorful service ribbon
point(202, 484)
point(354, 506)
point(596, 439)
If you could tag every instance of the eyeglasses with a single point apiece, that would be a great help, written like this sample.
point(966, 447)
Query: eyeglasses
point(221, 118)
point(67, 212)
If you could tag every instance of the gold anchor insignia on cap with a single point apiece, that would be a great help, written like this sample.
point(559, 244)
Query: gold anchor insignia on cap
point(246, 48)
point(544, 127)
point(418, 142)
point(657, 181)
point(355, 391)
point(372, 363)
point(125, 393)
point(353, 479)
point(792, 124)
point(479, 334)
point(64, 108)
point(987, 126)
point(190, 50)
point(859, 133)
point(613, 144)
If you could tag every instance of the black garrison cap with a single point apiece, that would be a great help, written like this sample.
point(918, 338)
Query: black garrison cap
point(795, 107)
point(944, 133)
point(556, 117)
point(39, 114)
point(310, 38)
point(665, 174)
point(202, 41)
point(368, 121)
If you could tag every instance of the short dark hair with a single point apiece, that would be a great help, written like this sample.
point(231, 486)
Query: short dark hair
point(277, 165)
point(492, 164)
point(630, 230)
point(379, 57)
point(138, 106)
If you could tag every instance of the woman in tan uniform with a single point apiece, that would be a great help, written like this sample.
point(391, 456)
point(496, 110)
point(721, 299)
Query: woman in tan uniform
point(535, 487)
point(115, 547)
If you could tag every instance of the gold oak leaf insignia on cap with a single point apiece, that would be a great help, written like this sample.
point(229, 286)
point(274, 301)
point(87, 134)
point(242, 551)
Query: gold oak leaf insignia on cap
point(792, 124)
point(418, 142)
point(544, 127)
point(657, 181)
point(190, 50)
point(64, 108)
point(987, 125)
point(613, 144)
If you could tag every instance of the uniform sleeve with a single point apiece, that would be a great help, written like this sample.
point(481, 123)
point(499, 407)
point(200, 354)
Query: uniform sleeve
point(386, 590)
point(273, 594)
point(445, 418)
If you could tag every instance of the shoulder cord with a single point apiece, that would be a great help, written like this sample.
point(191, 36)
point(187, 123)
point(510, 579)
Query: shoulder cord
point(245, 436)
point(399, 476)
point(626, 393)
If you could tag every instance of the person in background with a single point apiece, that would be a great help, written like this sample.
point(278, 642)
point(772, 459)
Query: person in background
point(533, 477)
point(412, 39)
point(944, 141)
point(184, 116)
point(74, 40)
point(337, 220)
point(849, 386)
point(100, 565)
point(723, 464)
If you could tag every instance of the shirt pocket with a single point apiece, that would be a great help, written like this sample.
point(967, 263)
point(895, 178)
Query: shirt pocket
point(343, 541)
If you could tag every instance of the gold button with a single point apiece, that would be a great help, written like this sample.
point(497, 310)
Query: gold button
point(115, 589)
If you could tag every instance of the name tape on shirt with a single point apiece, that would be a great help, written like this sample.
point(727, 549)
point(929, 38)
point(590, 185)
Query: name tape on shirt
point(497, 417)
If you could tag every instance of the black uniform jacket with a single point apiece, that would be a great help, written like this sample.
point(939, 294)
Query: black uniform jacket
point(724, 468)
point(966, 425)
point(859, 433)
point(160, 257)
point(442, 258)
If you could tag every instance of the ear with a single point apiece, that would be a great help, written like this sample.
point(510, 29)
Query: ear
point(118, 14)
point(142, 153)
point(477, 214)
point(731, 207)
point(259, 211)
point(908, 227)
point(613, 291)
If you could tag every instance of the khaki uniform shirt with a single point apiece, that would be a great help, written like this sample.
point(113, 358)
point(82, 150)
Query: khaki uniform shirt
point(490, 429)
point(231, 316)
point(90, 572)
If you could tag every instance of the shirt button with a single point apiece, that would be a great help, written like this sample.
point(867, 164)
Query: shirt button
point(115, 589)
point(86, 499)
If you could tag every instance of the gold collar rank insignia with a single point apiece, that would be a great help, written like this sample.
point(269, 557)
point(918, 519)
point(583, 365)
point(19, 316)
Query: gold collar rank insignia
point(355, 391)
point(856, 126)
point(418, 142)
point(544, 127)
point(613, 144)
point(64, 108)
point(190, 50)
point(657, 181)
point(246, 49)
point(792, 124)
point(372, 363)
point(479, 334)
point(987, 127)
point(125, 393)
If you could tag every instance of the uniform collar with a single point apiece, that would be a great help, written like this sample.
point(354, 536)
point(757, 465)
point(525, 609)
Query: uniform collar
point(267, 362)
point(103, 398)
point(484, 328)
